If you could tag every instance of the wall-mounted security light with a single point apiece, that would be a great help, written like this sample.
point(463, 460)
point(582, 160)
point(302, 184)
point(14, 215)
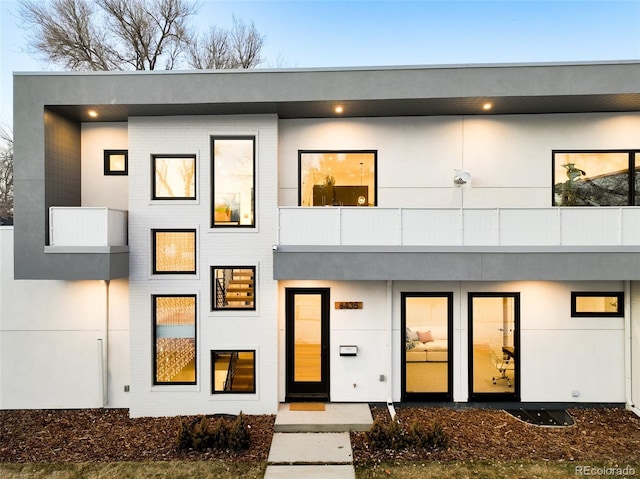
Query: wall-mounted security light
point(461, 177)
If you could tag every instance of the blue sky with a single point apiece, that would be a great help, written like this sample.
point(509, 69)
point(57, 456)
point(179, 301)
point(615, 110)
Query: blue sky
point(324, 33)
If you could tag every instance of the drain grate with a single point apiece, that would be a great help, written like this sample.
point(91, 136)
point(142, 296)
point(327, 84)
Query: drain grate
point(543, 417)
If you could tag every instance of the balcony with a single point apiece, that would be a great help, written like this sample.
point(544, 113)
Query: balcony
point(500, 244)
point(474, 229)
point(87, 230)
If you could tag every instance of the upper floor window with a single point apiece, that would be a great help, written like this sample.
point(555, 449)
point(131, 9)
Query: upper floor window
point(596, 178)
point(116, 162)
point(174, 177)
point(233, 171)
point(174, 251)
point(337, 178)
point(233, 287)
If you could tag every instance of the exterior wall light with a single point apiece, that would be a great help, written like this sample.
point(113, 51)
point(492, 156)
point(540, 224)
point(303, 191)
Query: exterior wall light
point(462, 177)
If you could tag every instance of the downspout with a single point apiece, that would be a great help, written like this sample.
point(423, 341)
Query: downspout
point(105, 352)
point(628, 349)
point(392, 410)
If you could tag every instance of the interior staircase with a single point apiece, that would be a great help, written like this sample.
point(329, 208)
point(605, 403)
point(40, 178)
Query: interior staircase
point(237, 290)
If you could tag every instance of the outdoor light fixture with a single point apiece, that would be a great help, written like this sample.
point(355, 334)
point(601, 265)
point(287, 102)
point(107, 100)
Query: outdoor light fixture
point(461, 177)
point(338, 109)
point(93, 113)
point(487, 106)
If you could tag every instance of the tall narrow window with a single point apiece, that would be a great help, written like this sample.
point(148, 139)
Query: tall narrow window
point(596, 178)
point(174, 251)
point(233, 287)
point(233, 202)
point(174, 177)
point(337, 178)
point(233, 372)
point(174, 326)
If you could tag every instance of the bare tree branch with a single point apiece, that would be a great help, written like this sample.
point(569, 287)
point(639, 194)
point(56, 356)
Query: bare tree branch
point(6, 172)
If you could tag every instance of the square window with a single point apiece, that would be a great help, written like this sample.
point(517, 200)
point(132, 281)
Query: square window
point(233, 167)
point(116, 162)
point(174, 329)
point(233, 287)
point(337, 178)
point(174, 177)
point(174, 251)
point(597, 304)
point(233, 372)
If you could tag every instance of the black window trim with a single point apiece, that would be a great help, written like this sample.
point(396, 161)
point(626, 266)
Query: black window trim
point(213, 287)
point(213, 138)
point(595, 314)
point(375, 168)
point(155, 340)
point(154, 196)
point(634, 157)
point(231, 351)
point(154, 270)
point(107, 163)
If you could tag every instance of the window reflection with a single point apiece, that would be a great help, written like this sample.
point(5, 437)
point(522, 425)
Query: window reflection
point(174, 177)
point(233, 181)
point(337, 178)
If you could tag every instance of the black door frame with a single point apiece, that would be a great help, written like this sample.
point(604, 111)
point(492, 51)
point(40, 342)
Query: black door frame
point(483, 396)
point(439, 396)
point(309, 391)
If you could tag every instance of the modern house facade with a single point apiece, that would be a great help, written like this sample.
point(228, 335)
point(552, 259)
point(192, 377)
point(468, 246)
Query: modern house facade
point(209, 242)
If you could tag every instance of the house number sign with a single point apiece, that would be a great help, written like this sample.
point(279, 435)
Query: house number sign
point(348, 304)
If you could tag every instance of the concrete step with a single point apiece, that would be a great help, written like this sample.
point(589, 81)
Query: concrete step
point(337, 417)
point(310, 472)
point(311, 448)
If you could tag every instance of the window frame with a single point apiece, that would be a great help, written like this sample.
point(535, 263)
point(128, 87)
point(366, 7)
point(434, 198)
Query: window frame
point(231, 351)
point(155, 339)
point(107, 163)
point(633, 161)
point(254, 215)
point(596, 314)
point(322, 152)
point(154, 195)
point(154, 258)
point(214, 288)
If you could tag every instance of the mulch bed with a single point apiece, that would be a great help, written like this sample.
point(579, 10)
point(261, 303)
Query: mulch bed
point(101, 435)
point(484, 434)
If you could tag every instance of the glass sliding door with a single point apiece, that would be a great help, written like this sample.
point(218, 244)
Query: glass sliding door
point(427, 320)
point(494, 346)
point(307, 316)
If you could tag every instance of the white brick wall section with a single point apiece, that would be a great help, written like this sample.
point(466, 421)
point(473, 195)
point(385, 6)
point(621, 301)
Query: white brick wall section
point(255, 330)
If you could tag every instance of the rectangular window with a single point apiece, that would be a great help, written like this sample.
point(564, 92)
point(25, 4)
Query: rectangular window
point(233, 166)
point(174, 327)
point(337, 178)
point(596, 178)
point(597, 304)
point(233, 287)
point(233, 372)
point(174, 177)
point(174, 251)
point(116, 162)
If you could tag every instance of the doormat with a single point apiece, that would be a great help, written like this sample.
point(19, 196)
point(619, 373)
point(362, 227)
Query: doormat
point(543, 417)
point(306, 406)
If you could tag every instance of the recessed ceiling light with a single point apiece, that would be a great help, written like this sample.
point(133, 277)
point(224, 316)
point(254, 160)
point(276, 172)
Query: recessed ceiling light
point(487, 106)
point(93, 113)
point(338, 109)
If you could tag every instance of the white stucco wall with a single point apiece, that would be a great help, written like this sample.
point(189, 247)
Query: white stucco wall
point(231, 330)
point(49, 332)
point(559, 354)
point(99, 189)
point(509, 155)
point(635, 347)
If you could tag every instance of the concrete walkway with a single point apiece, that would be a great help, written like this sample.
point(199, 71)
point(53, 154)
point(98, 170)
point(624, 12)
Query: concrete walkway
point(316, 444)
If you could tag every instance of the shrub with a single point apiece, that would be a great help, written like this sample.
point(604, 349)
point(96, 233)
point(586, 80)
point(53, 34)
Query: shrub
point(393, 436)
point(197, 434)
point(377, 435)
point(438, 437)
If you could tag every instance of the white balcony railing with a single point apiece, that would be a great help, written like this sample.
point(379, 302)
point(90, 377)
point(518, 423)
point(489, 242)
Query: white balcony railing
point(87, 227)
point(573, 226)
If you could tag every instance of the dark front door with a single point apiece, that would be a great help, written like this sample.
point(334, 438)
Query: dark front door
point(307, 333)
